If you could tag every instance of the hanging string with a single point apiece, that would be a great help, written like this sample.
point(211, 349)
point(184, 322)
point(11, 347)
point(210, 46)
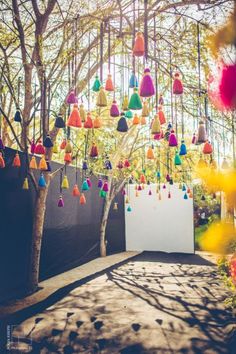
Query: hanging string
point(156, 64)
point(89, 73)
point(34, 113)
point(76, 169)
point(109, 48)
point(76, 52)
point(146, 30)
point(134, 32)
point(101, 51)
point(199, 68)
point(60, 188)
point(182, 117)
point(171, 91)
point(49, 106)
point(114, 73)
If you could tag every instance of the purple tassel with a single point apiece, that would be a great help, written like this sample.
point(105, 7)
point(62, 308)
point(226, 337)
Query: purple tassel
point(1, 144)
point(172, 139)
point(114, 110)
point(105, 187)
point(147, 88)
point(150, 192)
point(123, 192)
point(71, 98)
point(164, 186)
point(194, 139)
point(100, 183)
point(49, 169)
point(139, 188)
point(60, 203)
point(32, 147)
point(168, 178)
point(89, 182)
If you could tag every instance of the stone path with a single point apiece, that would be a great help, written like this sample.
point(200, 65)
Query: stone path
point(154, 303)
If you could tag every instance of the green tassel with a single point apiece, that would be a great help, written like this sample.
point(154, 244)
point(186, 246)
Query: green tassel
point(129, 114)
point(97, 84)
point(135, 101)
point(177, 161)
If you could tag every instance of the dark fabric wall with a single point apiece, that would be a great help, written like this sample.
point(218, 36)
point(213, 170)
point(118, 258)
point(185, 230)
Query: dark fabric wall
point(71, 234)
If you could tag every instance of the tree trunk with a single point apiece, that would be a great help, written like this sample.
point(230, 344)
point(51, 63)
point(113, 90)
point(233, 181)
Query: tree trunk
point(106, 209)
point(38, 223)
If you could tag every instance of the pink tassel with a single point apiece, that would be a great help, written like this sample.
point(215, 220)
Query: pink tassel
point(172, 139)
point(227, 87)
point(177, 85)
point(146, 87)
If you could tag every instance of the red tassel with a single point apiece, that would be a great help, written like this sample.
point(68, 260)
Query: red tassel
point(39, 148)
point(67, 157)
point(75, 191)
point(161, 115)
point(139, 47)
point(89, 122)
point(2, 162)
point(207, 148)
point(94, 151)
point(16, 161)
point(177, 85)
point(63, 144)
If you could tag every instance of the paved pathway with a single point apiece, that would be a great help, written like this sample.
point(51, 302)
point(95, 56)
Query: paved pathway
point(153, 304)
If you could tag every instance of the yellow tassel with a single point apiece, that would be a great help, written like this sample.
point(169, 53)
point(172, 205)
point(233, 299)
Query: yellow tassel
point(25, 184)
point(126, 200)
point(125, 103)
point(43, 164)
point(68, 148)
point(65, 183)
point(156, 126)
point(33, 163)
point(55, 148)
point(82, 113)
point(145, 110)
point(101, 98)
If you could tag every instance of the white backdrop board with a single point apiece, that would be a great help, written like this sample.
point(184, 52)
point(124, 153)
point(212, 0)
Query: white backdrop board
point(159, 225)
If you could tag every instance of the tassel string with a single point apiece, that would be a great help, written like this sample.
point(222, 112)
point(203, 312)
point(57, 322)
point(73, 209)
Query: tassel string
point(101, 51)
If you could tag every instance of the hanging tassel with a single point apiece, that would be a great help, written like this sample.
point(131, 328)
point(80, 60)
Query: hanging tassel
point(33, 163)
point(120, 165)
point(42, 182)
point(201, 163)
point(194, 139)
point(149, 192)
point(60, 203)
point(63, 144)
point(17, 116)
point(59, 122)
point(155, 126)
point(94, 151)
point(89, 182)
point(16, 161)
point(126, 164)
point(125, 103)
point(168, 177)
point(101, 98)
point(100, 183)
point(207, 148)
point(135, 101)
point(177, 85)
point(128, 114)
point(68, 147)
point(126, 200)
point(136, 194)
point(102, 194)
point(105, 187)
point(82, 199)
point(147, 87)
point(85, 165)
point(88, 124)
point(177, 160)
point(114, 110)
point(202, 136)
point(74, 119)
point(108, 165)
point(145, 109)
point(65, 183)
point(49, 169)
point(161, 115)
point(2, 147)
point(183, 188)
point(133, 81)
point(109, 84)
point(227, 90)
point(136, 119)
point(185, 196)
point(85, 186)
point(39, 148)
point(115, 206)
point(172, 139)
point(142, 179)
point(139, 45)
point(143, 120)
point(2, 162)
point(82, 113)
point(25, 185)
point(97, 123)
point(67, 158)
point(169, 195)
point(164, 186)
point(43, 164)
point(75, 191)
point(129, 208)
point(161, 100)
point(183, 148)
point(48, 142)
point(97, 84)
point(55, 148)
point(159, 195)
point(150, 154)
point(122, 125)
point(71, 98)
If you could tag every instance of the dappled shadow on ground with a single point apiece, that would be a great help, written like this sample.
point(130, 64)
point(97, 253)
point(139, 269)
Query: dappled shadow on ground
point(144, 306)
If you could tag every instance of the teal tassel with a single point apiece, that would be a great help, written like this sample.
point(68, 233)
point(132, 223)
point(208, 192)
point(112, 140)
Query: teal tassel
point(42, 182)
point(85, 186)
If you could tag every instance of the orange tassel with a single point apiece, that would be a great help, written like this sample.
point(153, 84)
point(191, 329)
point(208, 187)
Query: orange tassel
point(136, 119)
point(33, 163)
point(143, 120)
point(67, 157)
point(2, 162)
point(97, 123)
point(109, 84)
point(150, 154)
point(75, 191)
point(142, 179)
point(74, 119)
point(161, 115)
point(43, 164)
point(82, 199)
point(89, 122)
point(16, 161)
point(63, 144)
point(139, 48)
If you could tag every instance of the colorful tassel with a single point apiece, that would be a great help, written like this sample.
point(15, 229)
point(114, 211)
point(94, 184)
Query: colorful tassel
point(100, 183)
point(147, 87)
point(97, 123)
point(125, 103)
point(169, 195)
point(202, 136)
point(145, 109)
point(109, 84)
point(139, 46)
point(39, 148)
point(2, 162)
point(129, 208)
point(183, 148)
point(142, 178)
point(149, 192)
point(105, 187)
point(68, 147)
point(102, 194)
point(17, 116)
point(48, 142)
point(88, 124)
point(25, 185)
point(85, 165)
point(60, 202)
point(63, 144)
point(172, 139)
point(185, 196)
point(227, 90)
point(108, 165)
point(82, 112)
point(74, 119)
point(85, 186)
point(43, 164)
point(65, 183)
point(155, 127)
point(136, 119)
point(16, 161)
point(194, 139)
point(67, 158)
point(133, 81)
point(207, 148)
point(42, 182)
point(114, 110)
point(161, 100)
point(161, 115)
point(150, 154)
point(55, 148)
point(94, 151)
point(135, 101)
point(122, 125)
point(128, 114)
point(2, 147)
point(126, 164)
point(143, 120)
point(71, 98)
point(82, 199)
point(97, 84)
point(120, 165)
point(177, 160)
point(89, 182)
point(59, 122)
point(101, 98)
point(177, 85)
point(75, 191)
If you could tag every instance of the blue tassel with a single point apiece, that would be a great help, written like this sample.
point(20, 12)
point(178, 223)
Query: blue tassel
point(184, 188)
point(17, 116)
point(133, 81)
point(185, 195)
point(42, 182)
point(183, 148)
point(85, 166)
